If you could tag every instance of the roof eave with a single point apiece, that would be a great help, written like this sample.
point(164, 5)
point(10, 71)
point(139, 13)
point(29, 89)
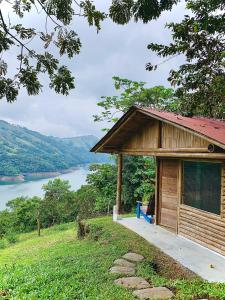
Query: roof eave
point(135, 109)
point(116, 126)
point(201, 135)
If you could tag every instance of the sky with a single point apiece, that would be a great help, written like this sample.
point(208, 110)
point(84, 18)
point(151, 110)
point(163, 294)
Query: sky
point(115, 51)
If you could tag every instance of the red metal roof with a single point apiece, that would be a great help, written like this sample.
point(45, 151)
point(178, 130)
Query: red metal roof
point(211, 128)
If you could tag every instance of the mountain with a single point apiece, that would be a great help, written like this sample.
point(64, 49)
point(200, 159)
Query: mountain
point(25, 151)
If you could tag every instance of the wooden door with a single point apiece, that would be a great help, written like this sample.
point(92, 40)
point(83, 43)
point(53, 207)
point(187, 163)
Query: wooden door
point(169, 193)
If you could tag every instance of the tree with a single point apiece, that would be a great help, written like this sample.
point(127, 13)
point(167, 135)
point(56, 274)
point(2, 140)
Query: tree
point(122, 11)
point(200, 37)
point(58, 203)
point(24, 212)
point(138, 176)
point(103, 178)
point(85, 200)
point(134, 93)
point(56, 33)
point(138, 172)
point(137, 184)
point(6, 221)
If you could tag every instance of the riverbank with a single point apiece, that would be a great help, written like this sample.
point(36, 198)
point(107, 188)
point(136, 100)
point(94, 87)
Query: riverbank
point(32, 188)
point(35, 176)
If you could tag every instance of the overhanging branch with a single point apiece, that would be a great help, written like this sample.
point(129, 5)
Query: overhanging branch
point(5, 28)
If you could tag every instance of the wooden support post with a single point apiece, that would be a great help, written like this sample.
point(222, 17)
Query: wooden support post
point(157, 177)
point(157, 182)
point(119, 183)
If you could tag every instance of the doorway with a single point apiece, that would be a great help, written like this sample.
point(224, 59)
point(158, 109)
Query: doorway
point(169, 193)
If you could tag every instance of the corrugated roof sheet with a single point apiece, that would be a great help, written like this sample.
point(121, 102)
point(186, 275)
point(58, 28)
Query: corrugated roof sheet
point(211, 128)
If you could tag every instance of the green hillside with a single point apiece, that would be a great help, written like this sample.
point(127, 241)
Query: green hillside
point(26, 151)
point(59, 266)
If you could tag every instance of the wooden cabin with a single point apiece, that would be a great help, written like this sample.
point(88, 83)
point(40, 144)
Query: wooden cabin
point(190, 176)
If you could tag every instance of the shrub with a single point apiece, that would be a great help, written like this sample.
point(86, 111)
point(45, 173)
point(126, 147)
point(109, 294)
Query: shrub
point(11, 238)
point(85, 199)
point(94, 231)
point(2, 244)
point(81, 228)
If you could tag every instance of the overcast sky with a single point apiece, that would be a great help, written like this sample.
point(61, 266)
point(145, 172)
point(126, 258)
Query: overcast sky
point(116, 50)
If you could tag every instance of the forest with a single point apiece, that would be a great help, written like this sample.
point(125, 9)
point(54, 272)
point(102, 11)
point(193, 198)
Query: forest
point(60, 204)
point(25, 151)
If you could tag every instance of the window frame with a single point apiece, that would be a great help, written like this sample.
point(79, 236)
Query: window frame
point(221, 185)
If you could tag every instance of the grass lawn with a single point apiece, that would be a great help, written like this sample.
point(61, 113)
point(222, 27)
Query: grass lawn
point(58, 266)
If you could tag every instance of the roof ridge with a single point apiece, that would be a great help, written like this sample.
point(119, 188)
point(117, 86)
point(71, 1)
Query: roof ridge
point(179, 115)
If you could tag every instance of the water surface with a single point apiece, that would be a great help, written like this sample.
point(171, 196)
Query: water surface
point(34, 188)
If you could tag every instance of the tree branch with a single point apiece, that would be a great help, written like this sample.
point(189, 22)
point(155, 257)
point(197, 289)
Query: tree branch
point(12, 36)
point(42, 6)
point(77, 3)
point(21, 58)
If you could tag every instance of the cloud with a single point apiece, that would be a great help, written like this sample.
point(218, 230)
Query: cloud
point(116, 50)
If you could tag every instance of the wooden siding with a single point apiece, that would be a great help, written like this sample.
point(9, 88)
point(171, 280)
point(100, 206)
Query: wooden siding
point(173, 137)
point(169, 192)
point(202, 227)
point(161, 139)
point(145, 137)
point(223, 193)
point(157, 185)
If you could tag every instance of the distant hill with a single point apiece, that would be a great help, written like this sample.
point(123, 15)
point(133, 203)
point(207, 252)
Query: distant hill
point(26, 151)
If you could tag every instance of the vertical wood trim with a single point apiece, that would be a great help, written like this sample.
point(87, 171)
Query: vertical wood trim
point(119, 182)
point(221, 193)
point(179, 188)
point(160, 134)
point(157, 181)
point(160, 190)
point(222, 210)
point(182, 183)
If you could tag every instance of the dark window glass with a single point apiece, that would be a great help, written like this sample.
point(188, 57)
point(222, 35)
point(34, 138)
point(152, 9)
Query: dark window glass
point(202, 185)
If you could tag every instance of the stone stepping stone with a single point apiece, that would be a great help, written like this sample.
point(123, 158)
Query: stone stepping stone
point(133, 282)
point(122, 270)
point(124, 263)
point(133, 257)
point(154, 293)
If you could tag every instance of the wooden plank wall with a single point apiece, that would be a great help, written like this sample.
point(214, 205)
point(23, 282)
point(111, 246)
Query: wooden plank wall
point(223, 193)
point(204, 228)
point(145, 137)
point(169, 192)
point(173, 137)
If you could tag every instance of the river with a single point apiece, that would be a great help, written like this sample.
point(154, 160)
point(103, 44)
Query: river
point(34, 188)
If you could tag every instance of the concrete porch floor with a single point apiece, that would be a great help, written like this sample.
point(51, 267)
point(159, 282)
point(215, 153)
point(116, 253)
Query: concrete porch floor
point(191, 255)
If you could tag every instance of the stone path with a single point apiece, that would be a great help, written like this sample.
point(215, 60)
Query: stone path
point(133, 257)
point(123, 270)
point(142, 289)
point(133, 282)
point(155, 293)
point(124, 263)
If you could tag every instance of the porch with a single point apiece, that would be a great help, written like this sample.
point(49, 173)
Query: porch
point(204, 262)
